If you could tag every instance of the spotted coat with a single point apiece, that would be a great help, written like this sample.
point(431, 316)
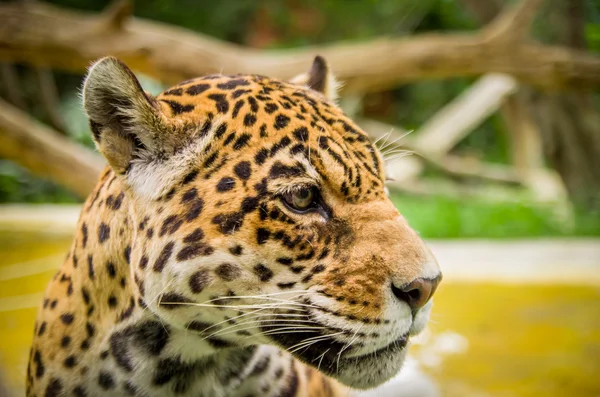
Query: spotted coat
point(194, 270)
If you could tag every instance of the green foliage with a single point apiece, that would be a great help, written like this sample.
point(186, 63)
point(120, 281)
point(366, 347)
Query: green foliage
point(443, 217)
point(18, 186)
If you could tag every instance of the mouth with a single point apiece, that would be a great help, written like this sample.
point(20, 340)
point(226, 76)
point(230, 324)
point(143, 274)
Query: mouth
point(349, 362)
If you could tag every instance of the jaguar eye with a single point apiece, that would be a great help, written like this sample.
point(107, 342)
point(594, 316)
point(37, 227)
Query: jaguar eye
point(300, 200)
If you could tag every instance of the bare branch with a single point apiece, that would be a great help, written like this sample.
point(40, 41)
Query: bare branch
point(41, 34)
point(46, 153)
point(514, 24)
point(117, 14)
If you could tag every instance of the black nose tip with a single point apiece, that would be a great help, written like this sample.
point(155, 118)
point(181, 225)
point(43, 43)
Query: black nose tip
point(418, 292)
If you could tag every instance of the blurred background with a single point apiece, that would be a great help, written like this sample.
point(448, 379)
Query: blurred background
point(487, 112)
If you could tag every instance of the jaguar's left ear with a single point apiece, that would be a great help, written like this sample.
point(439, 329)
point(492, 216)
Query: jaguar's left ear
point(319, 78)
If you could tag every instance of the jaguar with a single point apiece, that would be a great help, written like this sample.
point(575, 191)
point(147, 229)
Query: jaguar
point(240, 242)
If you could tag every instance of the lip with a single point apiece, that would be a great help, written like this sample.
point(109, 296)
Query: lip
point(392, 348)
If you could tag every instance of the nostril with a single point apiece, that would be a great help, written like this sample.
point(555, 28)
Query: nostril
point(416, 293)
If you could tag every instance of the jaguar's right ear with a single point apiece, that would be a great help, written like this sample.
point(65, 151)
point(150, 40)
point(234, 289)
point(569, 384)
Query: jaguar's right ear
point(126, 123)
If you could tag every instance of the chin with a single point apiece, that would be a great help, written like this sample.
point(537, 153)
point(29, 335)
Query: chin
point(374, 369)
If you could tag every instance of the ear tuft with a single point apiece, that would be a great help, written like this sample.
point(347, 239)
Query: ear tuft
point(319, 78)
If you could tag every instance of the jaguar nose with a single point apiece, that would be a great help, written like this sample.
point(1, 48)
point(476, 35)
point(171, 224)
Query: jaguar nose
point(418, 292)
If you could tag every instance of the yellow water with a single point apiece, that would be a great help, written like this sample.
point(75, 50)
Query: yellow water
point(484, 339)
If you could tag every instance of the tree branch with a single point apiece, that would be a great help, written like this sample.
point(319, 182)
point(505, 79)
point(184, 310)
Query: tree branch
point(46, 153)
point(41, 34)
point(513, 25)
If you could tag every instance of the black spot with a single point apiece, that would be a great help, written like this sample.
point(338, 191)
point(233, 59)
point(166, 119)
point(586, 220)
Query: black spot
point(129, 311)
point(177, 107)
point(228, 272)
point(261, 156)
point(195, 236)
point(249, 119)
point(262, 235)
point(170, 225)
point(228, 223)
point(210, 159)
point(286, 285)
point(189, 195)
point(219, 343)
point(174, 91)
point(261, 188)
point(243, 170)
point(239, 93)
point(127, 254)
point(280, 170)
point(236, 108)
point(297, 269)
point(263, 131)
point(221, 130)
point(253, 104)
point(271, 107)
point(200, 326)
point(236, 250)
point(199, 280)
point(301, 134)
point(85, 344)
point(40, 368)
point(152, 336)
point(285, 261)
point(197, 89)
point(194, 250)
point(299, 148)
point(90, 329)
point(106, 380)
point(172, 300)
point(284, 142)
point(169, 368)
point(220, 102)
point(233, 84)
point(65, 341)
point(190, 177)
point(249, 204)
point(54, 388)
point(163, 257)
point(84, 232)
point(42, 329)
point(110, 268)
point(67, 318)
point(281, 121)
point(103, 232)
point(318, 269)
point(242, 141)
point(119, 350)
point(70, 361)
point(324, 253)
point(86, 296)
point(263, 272)
point(225, 184)
point(194, 209)
point(79, 391)
point(112, 301)
point(143, 261)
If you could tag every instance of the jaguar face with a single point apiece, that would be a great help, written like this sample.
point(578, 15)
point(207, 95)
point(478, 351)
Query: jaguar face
point(260, 217)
